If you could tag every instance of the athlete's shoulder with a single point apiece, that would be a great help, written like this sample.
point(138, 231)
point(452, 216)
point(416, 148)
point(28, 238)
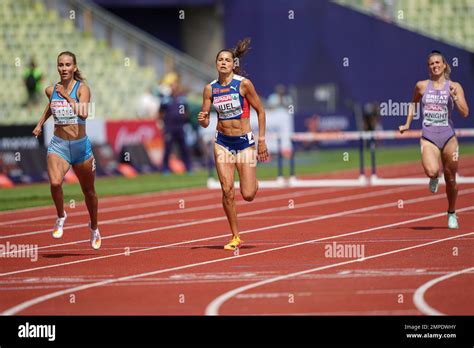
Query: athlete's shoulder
point(454, 84)
point(208, 90)
point(83, 87)
point(49, 91)
point(239, 78)
point(421, 85)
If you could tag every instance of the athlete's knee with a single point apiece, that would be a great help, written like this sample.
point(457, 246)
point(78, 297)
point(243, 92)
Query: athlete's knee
point(450, 177)
point(56, 183)
point(89, 192)
point(432, 172)
point(248, 195)
point(228, 192)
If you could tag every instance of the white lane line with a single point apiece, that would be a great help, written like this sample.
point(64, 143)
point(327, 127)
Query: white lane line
point(22, 306)
point(114, 209)
point(190, 190)
point(419, 295)
point(176, 211)
point(214, 306)
point(255, 212)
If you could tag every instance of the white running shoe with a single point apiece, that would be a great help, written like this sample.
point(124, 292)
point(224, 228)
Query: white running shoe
point(434, 185)
point(452, 221)
point(58, 227)
point(95, 238)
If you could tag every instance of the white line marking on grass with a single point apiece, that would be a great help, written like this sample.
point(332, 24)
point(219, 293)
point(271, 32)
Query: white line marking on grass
point(419, 295)
point(214, 306)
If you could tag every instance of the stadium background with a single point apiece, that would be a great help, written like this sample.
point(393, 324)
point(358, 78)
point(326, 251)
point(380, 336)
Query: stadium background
point(336, 59)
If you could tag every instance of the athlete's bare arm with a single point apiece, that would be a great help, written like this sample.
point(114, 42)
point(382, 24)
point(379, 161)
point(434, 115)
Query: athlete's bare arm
point(203, 116)
point(417, 95)
point(46, 113)
point(457, 93)
point(248, 91)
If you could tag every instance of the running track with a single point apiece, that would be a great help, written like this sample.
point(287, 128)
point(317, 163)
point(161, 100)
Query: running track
point(160, 258)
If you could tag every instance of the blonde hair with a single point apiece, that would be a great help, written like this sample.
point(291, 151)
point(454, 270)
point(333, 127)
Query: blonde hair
point(447, 70)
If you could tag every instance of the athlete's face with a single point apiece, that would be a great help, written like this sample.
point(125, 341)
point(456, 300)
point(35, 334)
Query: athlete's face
point(436, 65)
point(66, 67)
point(225, 62)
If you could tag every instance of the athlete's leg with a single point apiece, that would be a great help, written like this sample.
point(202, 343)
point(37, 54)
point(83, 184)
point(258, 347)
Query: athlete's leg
point(247, 168)
point(450, 166)
point(225, 168)
point(85, 172)
point(430, 156)
point(57, 169)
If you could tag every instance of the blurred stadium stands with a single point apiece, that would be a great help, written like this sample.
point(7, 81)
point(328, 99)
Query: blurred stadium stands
point(119, 62)
point(445, 20)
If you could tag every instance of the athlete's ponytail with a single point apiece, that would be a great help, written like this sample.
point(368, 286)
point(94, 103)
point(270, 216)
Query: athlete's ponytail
point(240, 49)
point(77, 74)
point(447, 71)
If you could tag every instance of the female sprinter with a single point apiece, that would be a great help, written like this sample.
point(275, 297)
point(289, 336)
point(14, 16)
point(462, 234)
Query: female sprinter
point(70, 146)
point(234, 147)
point(438, 97)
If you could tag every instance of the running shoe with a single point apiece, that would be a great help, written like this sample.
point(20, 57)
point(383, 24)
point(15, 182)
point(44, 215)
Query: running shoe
point(58, 226)
point(234, 243)
point(452, 221)
point(434, 185)
point(95, 238)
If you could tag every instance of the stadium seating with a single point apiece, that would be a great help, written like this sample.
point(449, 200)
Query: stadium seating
point(28, 30)
point(444, 20)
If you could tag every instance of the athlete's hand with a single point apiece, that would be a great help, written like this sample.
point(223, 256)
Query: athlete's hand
point(403, 128)
point(37, 131)
point(262, 154)
point(453, 91)
point(202, 116)
point(61, 90)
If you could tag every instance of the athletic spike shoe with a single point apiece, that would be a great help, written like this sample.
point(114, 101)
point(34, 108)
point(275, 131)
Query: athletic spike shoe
point(452, 221)
point(234, 244)
point(434, 185)
point(58, 226)
point(95, 238)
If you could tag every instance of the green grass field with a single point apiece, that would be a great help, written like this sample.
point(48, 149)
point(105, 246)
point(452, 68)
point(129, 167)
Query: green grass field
point(314, 162)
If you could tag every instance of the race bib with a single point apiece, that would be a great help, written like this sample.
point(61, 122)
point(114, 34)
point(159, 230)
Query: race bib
point(62, 112)
point(435, 115)
point(227, 106)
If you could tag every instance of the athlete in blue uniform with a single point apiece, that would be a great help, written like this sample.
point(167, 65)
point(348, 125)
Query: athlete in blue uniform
point(234, 148)
point(70, 146)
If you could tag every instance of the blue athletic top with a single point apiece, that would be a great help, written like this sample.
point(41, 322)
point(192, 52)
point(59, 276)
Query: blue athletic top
point(227, 100)
point(62, 111)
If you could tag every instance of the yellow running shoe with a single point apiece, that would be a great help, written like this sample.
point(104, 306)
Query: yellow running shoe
point(234, 243)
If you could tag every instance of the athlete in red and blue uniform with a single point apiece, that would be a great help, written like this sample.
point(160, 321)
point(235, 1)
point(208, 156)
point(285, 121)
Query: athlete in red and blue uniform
point(234, 148)
point(438, 96)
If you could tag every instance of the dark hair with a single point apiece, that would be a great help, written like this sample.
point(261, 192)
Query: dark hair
point(447, 71)
point(237, 52)
point(77, 74)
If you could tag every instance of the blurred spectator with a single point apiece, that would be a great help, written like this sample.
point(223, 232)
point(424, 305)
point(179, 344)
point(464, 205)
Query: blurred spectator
point(32, 78)
point(279, 98)
point(371, 116)
point(148, 105)
point(174, 114)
